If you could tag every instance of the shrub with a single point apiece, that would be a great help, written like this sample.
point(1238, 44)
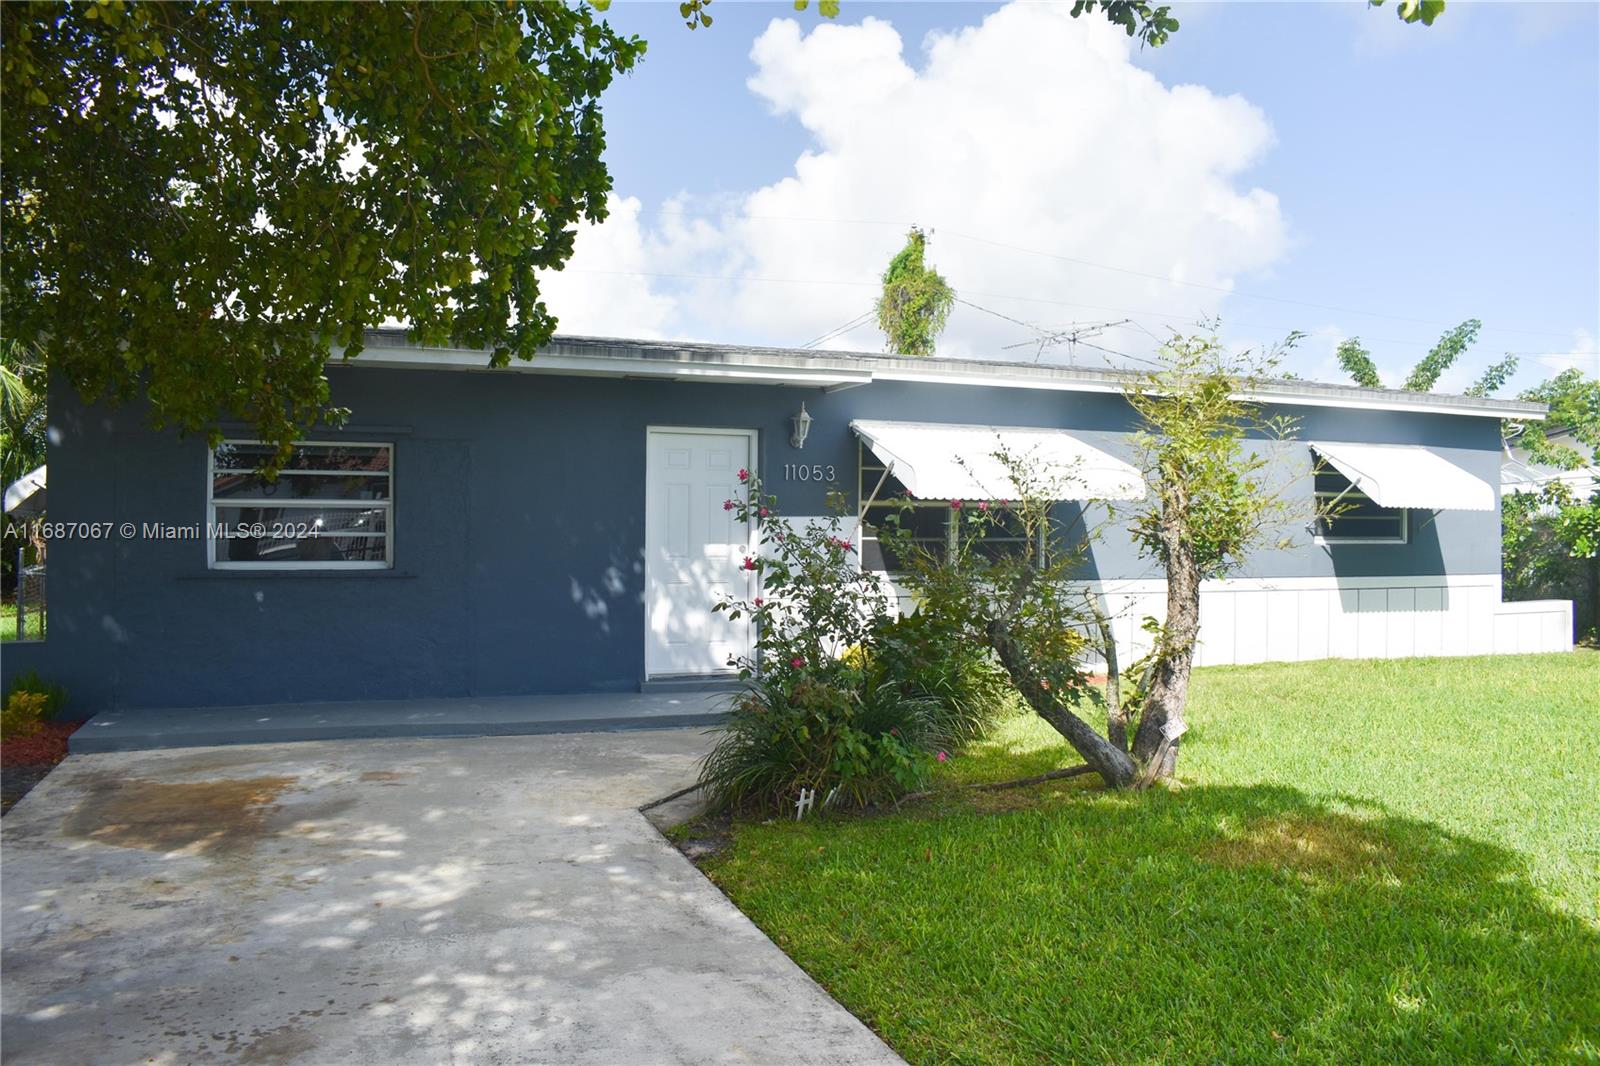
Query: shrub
point(22, 714)
point(812, 715)
point(54, 695)
point(930, 656)
point(853, 743)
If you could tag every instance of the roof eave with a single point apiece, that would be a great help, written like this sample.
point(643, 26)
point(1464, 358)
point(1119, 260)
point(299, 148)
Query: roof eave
point(623, 358)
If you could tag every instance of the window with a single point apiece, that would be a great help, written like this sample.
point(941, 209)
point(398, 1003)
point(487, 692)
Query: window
point(331, 507)
point(931, 522)
point(1357, 519)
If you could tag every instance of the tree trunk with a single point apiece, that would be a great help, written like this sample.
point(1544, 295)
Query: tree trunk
point(1113, 765)
point(1116, 713)
point(1161, 723)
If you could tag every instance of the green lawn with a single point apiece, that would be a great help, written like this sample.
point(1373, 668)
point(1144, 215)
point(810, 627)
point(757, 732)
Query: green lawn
point(8, 623)
point(1371, 862)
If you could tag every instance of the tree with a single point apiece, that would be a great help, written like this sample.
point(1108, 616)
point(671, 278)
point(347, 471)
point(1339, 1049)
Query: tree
point(22, 413)
point(1019, 604)
point(916, 300)
point(1574, 403)
point(22, 438)
point(1210, 505)
point(1356, 361)
point(1550, 538)
point(202, 201)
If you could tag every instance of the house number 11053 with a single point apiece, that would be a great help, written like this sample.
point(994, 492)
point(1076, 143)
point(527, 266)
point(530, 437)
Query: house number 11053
point(801, 472)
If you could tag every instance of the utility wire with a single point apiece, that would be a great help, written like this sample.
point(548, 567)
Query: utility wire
point(839, 331)
point(1224, 290)
point(878, 282)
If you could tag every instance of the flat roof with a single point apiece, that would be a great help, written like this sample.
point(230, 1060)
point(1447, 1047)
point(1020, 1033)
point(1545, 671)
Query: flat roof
point(630, 358)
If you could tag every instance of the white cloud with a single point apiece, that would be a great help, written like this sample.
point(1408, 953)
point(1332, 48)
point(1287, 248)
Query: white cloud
point(1584, 355)
point(1032, 130)
point(605, 289)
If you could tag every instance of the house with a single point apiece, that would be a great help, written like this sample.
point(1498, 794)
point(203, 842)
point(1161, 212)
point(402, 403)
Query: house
point(557, 526)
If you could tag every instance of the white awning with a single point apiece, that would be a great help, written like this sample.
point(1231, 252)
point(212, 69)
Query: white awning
point(942, 462)
point(1408, 475)
point(26, 494)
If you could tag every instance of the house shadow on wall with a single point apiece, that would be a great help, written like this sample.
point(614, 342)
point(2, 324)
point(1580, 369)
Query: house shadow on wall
point(1357, 565)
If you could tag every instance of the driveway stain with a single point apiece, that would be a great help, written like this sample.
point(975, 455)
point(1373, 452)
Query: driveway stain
point(220, 817)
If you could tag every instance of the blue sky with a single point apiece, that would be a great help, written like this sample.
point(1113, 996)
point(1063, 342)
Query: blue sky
point(1334, 171)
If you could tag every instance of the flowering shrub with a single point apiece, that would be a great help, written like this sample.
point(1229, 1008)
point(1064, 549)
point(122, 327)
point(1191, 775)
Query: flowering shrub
point(811, 716)
point(814, 600)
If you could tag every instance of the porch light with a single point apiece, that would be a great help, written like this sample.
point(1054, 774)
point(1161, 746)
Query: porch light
point(802, 426)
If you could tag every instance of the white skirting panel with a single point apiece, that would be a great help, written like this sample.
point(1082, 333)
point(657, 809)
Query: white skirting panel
point(1254, 620)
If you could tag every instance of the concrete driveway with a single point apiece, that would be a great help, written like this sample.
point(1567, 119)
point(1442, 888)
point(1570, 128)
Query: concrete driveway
point(420, 901)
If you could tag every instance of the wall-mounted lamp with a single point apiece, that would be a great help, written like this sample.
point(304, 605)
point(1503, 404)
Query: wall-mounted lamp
point(802, 426)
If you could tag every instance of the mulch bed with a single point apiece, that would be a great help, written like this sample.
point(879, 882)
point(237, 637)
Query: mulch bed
point(24, 761)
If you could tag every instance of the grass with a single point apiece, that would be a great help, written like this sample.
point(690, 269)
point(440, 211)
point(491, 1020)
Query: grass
point(1371, 862)
point(8, 623)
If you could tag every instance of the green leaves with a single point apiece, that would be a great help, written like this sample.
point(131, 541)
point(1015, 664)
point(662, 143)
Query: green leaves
point(1574, 403)
point(205, 202)
point(1357, 362)
point(1443, 354)
point(915, 302)
point(1494, 376)
point(1424, 11)
point(1151, 25)
point(1211, 502)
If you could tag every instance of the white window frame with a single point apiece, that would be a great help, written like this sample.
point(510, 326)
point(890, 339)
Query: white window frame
point(952, 527)
point(1336, 541)
point(212, 503)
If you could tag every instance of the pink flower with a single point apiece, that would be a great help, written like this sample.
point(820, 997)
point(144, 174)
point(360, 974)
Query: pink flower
point(942, 757)
point(983, 505)
point(759, 601)
point(763, 512)
point(797, 662)
point(749, 563)
point(744, 475)
point(955, 505)
point(727, 505)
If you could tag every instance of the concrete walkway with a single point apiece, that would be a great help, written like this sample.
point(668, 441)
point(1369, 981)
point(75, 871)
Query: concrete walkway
point(495, 900)
point(136, 729)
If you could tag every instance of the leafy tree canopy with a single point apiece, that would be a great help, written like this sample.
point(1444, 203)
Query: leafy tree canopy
point(1574, 402)
point(203, 200)
point(1425, 375)
point(1356, 361)
point(916, 300)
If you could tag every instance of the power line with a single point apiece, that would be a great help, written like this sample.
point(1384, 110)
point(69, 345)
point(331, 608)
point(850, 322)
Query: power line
point(877, 282)
point(839, 331)
point(1220, 289)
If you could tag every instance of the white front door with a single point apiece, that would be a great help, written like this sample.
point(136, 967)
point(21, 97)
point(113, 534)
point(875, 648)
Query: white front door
point(694, 550)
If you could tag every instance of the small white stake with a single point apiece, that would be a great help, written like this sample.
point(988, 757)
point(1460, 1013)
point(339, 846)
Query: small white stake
point(803, 804)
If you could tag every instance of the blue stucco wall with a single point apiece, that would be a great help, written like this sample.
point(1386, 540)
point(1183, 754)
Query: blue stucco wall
point(519, 526)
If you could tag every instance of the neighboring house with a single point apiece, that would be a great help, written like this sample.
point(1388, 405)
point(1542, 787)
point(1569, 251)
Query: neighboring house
point(1519, 473)
point(558, 526)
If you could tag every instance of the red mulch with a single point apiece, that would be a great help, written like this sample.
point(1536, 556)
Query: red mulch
point(45, 748)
